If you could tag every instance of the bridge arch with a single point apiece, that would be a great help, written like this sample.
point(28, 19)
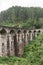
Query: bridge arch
point(12, 31)
point(3, 31)
point(38, 32)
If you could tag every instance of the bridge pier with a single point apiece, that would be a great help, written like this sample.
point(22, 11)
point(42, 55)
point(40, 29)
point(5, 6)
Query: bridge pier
point(11, 44)
point(20, 45)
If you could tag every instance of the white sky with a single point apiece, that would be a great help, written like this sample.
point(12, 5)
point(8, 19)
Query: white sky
point(5, 4)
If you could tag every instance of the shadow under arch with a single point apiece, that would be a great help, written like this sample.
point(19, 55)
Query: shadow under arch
point(25, 31)
point(19, 31)
point(3, 31)
point(38, 32)
point(30, 31)
point(34, 33)
point(12, 31)
point(29, 37)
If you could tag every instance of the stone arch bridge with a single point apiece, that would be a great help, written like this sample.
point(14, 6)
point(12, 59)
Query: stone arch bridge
point(13, 40)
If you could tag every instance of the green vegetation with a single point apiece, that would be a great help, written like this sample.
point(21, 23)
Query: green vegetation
point(33, 54)
point(27, 18)
point(12, 61)
point(22, 17)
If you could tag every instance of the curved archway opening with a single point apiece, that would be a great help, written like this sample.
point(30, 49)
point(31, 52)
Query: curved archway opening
point(3, 31)
point(29, 31)
point(38, 32)
point(19, 31)
point(30, 35)
point(12, 31)
point(25, 31)
point(34, 33)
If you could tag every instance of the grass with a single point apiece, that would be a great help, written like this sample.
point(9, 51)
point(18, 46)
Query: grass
point(12, 61)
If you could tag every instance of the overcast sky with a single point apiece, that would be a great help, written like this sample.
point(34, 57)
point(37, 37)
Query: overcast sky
point(5, 4)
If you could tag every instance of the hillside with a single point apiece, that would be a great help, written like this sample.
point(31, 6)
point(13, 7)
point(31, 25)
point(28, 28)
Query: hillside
point(22, 17)
point(33, 54)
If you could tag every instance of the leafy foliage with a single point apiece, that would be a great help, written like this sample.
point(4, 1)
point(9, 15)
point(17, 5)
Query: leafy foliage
point(34, 52)
point(22, 16)
point(12, 61)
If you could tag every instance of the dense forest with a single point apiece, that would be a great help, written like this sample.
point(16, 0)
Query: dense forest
point(22, 17)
